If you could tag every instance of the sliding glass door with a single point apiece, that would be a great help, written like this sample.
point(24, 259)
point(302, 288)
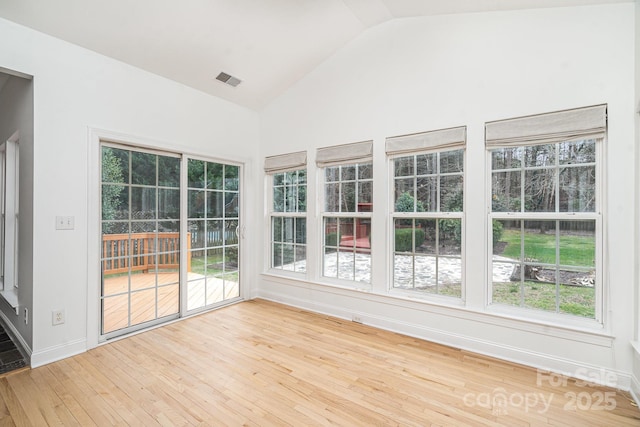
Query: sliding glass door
point(149, 258)
point(213, 223)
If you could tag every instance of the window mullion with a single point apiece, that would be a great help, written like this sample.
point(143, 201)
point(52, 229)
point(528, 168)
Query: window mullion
point(557, 178)
point(523, 185)
point(438, 182)
point(522, 264)
point(282, 239)
point(557, 272)
point(415, 192)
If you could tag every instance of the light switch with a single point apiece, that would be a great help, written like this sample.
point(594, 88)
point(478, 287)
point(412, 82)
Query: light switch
point(65, 223)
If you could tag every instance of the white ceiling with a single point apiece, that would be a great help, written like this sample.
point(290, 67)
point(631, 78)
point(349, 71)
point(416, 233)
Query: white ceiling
point(268, 44)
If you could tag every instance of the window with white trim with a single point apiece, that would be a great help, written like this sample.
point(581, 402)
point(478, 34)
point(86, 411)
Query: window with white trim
point(288, 217)
point(346, 214)
point(9, 188)
point(427, 211)
point(545, 218)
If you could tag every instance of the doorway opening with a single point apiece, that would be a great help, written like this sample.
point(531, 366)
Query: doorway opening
point(169, 236)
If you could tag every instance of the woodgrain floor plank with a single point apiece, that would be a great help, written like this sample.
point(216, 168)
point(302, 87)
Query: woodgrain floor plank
point(264, 364)
point(93, 403)
point(46, 379)
point(16, 413)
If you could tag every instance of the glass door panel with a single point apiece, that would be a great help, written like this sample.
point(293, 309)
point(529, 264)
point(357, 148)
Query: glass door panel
point(213, 224)
point(140, 238)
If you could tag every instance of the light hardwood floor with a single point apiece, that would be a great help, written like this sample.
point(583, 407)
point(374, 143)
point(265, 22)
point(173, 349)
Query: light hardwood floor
point(265, 364)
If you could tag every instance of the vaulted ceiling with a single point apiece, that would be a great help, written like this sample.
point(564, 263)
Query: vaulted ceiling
point(268, 44)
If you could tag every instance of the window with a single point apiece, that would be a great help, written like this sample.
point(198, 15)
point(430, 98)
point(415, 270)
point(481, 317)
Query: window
point(9, 188)
point(427, 211)
point(346, 217)
point(288, 221)
point(545, 211)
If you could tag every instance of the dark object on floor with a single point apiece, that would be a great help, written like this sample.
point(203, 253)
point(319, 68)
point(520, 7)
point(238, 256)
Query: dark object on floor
point(10, 356)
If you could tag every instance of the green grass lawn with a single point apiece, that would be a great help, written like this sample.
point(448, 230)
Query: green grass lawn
point(213, 263)
point(578, 250)
point(575, 250)
point(198, 264)
point(579, 301)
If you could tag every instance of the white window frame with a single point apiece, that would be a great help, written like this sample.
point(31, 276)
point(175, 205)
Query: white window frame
point(273, 165)
point(342, 155)
point(293, 215)
point(430, 215)
point(434, 141)
point(184, 229)
point(355, 216)
point(9, 224)
point(562, 127)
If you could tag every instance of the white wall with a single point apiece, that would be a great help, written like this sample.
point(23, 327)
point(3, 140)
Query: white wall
point(636, 320)
point(76, 90)
point(16, 114)
point(420, 74)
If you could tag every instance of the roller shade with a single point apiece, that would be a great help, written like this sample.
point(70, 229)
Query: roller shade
point(284, 162)
point(346, 153)
point(568, 125)
point(437, 139)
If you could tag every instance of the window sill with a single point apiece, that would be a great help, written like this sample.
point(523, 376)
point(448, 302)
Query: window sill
point(329, 282)
point(426, 298)
point(11, 297)
point(300, 275)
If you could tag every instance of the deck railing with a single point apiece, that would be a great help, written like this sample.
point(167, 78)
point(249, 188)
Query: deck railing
point(142, 252)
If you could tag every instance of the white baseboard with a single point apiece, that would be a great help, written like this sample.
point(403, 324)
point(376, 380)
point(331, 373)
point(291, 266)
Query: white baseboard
point(543, 362)
point(58, 352)
point(635, 390)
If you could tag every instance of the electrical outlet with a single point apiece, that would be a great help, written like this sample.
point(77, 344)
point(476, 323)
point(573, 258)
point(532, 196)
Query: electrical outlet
point(57, 317)
point(356, 319)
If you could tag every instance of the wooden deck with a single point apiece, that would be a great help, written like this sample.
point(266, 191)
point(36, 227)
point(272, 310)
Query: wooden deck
point(263, 364)
point(360, 242)
point(126, 252)
point(143, 297)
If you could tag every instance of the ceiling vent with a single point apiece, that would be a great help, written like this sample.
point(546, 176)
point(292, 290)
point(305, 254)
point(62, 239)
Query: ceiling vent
point(228, 79)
